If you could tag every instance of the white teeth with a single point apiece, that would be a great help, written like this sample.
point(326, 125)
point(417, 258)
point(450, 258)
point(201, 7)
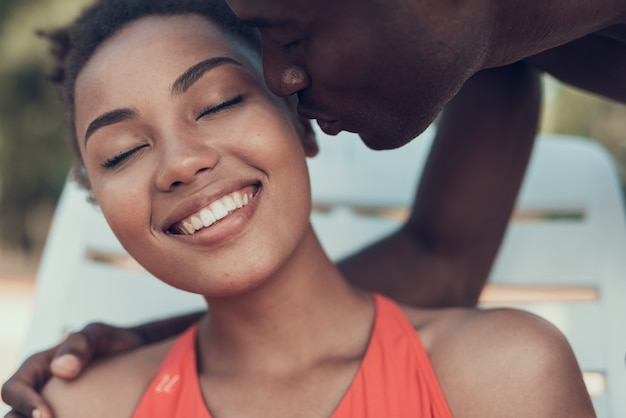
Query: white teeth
point(216, 211)
point(196, 222)
point(189, 228)
point(229, 203)
point(219, 210)
point(238, 199)
point(207, 217)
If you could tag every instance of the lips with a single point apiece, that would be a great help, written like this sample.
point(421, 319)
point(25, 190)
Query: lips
point(326, 123)
point(329, 127)
point(214, 211)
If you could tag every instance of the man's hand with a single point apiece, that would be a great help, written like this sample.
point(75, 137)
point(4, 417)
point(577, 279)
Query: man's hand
point(69, 359)
point(21, 390)
point(65, 361)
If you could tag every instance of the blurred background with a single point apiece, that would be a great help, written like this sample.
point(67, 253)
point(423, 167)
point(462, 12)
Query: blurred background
point(34, 159)
point(35, 156)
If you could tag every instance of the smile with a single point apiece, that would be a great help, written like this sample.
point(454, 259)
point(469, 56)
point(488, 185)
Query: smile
point(217, 210)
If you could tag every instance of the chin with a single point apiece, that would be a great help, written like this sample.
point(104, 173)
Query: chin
point(398, 132)
point(391, 139)
point(392, 134)
point(379, 143)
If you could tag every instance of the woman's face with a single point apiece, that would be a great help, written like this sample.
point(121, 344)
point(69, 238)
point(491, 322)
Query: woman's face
point(196, 166)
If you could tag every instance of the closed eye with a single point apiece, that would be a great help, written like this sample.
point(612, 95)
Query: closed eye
point(115, 161)
point(224, 105)
point(291, 45)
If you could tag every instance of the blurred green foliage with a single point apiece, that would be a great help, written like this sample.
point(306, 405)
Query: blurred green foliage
point(575, 112)
point(34, 157)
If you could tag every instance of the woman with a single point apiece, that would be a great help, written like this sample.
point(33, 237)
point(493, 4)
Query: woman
point(200, 172)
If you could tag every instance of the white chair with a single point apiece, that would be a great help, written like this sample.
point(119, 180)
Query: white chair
point(564, 255)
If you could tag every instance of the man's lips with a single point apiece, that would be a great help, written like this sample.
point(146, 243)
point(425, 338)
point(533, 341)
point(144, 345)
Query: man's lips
point(326, 123)
point(213, 212)
point(329, 127)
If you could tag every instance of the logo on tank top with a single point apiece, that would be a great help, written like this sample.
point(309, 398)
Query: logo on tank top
point(167, 383)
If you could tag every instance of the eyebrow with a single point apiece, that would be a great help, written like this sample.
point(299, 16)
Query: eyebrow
point(109, 118)
point(195, 73)
point(181, 85)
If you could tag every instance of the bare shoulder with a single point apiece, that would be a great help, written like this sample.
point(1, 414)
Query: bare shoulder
point(111, 387)
point(502, 362)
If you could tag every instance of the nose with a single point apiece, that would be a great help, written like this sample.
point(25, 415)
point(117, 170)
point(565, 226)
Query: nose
point(285, 74)
point(183, 162)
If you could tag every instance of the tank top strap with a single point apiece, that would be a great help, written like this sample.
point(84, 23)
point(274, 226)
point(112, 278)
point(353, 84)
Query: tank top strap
point(396, 378)
point(175, 391)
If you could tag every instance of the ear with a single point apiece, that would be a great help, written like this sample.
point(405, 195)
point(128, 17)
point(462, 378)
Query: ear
point(304, 128)
point(307, 137)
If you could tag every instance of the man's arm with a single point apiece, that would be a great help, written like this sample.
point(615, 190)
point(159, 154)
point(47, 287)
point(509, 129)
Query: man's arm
point(442, 256)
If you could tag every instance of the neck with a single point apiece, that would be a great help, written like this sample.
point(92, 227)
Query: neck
point(303, 312)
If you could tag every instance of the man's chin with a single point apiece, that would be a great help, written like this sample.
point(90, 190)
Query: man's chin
point(386, 141)
point(394, 135)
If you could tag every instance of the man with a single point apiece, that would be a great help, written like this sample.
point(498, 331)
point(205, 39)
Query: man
point(385, 69)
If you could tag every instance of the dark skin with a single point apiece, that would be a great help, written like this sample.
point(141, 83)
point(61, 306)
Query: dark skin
point(386, 70)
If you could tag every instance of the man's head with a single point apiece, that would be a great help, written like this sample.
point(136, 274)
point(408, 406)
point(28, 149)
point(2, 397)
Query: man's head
point(382, 68)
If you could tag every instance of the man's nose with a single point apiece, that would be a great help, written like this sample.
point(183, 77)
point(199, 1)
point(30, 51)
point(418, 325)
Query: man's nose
point(284, 73)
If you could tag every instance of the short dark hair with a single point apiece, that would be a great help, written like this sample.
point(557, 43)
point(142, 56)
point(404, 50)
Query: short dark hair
point(73, 45)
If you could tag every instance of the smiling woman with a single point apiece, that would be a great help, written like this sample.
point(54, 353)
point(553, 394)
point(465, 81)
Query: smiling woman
point(200, 172)
point(191, 136)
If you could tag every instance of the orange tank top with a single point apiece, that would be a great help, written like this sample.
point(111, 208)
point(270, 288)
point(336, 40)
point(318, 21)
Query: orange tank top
point(395, 379)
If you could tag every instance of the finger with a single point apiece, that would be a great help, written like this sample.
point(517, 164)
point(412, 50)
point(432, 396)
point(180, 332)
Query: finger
point(37, 413)
point(108, 339)
point(26, 401)
point(13, 414)
point(72, 355)
point(20, 392)
point(66, 366)
point(42, 413)
point(80, 348)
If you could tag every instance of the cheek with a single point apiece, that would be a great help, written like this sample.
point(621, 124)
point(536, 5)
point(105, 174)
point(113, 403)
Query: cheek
point(294, 207)
point(126, 209)
point(277, 151)
point(341, 60)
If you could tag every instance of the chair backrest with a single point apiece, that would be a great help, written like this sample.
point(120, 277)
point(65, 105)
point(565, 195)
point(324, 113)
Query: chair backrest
point(564, 254)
